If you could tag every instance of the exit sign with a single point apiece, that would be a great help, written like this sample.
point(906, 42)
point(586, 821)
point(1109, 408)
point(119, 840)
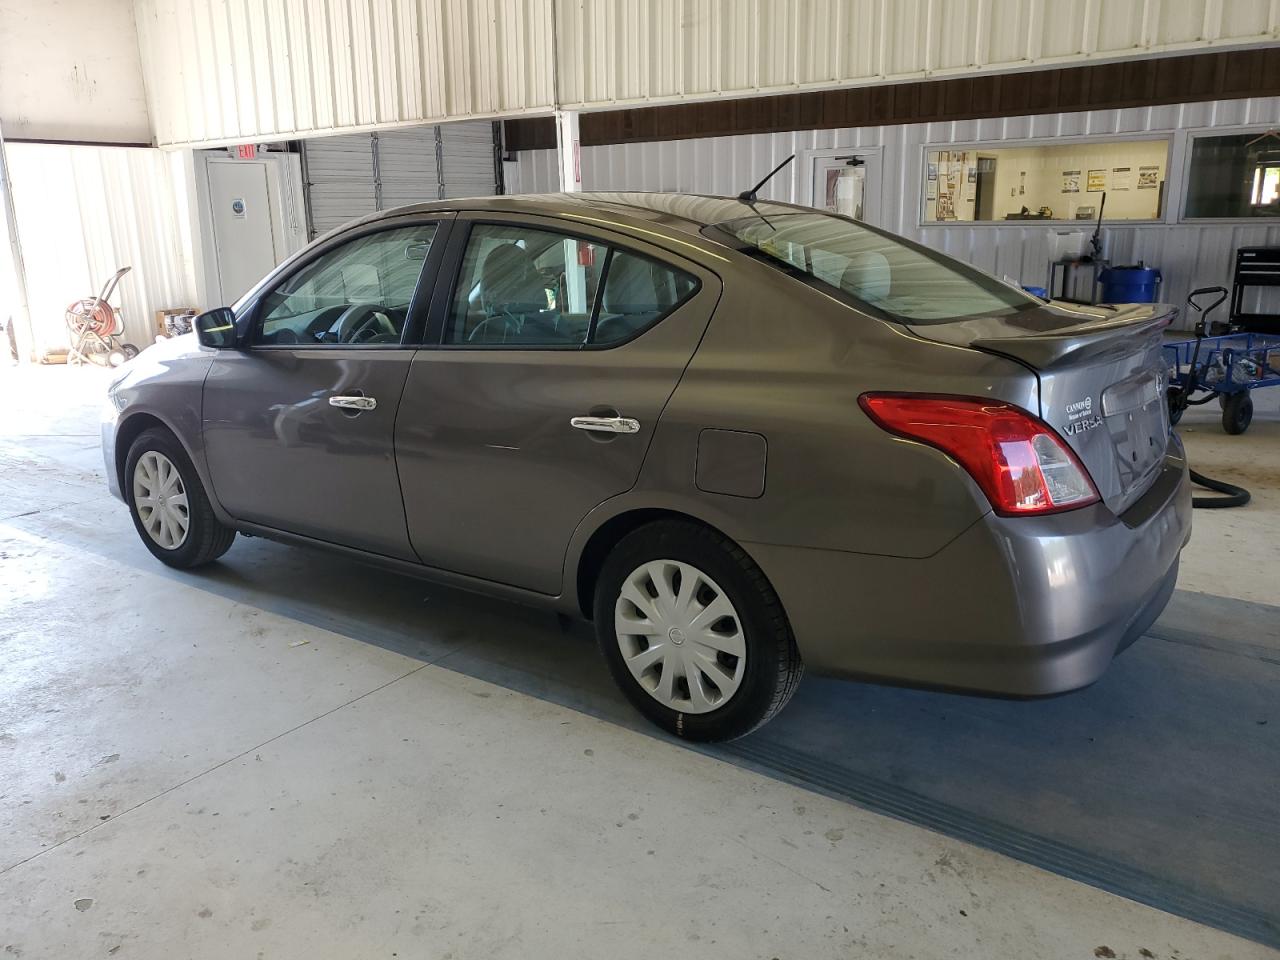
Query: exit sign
point(245, 151)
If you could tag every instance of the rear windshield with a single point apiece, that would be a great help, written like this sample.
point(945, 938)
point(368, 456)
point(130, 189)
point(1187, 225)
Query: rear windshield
point(894, 277)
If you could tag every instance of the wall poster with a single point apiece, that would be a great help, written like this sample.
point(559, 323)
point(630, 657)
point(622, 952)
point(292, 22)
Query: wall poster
point(1070, 181)
point(1148, 178)
point(1097, 181)
point(1121, 178)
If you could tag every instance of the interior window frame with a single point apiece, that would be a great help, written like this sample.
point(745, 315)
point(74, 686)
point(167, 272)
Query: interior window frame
point(251, 318)
point(1190, 136)
point(1165, 216)
point(442, 302)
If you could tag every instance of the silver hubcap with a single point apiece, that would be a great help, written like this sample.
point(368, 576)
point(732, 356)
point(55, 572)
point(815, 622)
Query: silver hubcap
point(161, 500)
point(680, 636)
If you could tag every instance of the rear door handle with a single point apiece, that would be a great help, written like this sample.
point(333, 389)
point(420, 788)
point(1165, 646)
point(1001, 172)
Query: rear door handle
point(353, 403)
point(606, 424)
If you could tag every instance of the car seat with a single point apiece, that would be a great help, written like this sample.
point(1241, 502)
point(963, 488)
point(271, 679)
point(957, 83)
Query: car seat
point(632, 298)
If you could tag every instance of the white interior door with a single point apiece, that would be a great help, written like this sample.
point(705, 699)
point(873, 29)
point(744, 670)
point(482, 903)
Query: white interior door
point(846, 182)
point(243, 229)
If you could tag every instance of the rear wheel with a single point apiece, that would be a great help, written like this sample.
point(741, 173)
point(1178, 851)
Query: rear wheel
point(693, 632)
point(1237, 412)
point(170, 509)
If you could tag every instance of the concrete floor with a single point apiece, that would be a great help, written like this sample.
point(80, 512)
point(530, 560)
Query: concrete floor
point(230, 764)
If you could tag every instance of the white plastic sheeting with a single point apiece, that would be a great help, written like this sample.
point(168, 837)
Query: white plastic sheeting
point(219, 71)
point(85, 211)
point(1190, 254)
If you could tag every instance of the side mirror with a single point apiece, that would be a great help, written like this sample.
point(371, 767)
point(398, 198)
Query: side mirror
point(216, 328)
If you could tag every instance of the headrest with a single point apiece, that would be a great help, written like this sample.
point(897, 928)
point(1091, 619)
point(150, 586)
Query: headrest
point(630, 286)
point(868, 277)
point(508, 275)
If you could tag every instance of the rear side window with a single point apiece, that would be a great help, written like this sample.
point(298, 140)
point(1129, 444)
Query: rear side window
point(638, 292)
point(522, 287)
point(893, 276)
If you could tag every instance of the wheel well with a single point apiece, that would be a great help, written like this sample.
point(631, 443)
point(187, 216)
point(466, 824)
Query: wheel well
point(129, 432)
point(606, 538)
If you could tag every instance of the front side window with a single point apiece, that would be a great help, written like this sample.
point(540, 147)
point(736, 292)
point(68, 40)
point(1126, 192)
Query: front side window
point(357, 294)
point(1052, 181)
point(523, 287)
point(1234, 176)
point(900, 279)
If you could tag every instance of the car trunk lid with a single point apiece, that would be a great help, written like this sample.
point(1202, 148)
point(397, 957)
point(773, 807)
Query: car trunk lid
point(1102, 382)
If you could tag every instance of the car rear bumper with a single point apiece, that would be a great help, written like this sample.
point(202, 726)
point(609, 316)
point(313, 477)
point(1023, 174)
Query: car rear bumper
point(1025, 606)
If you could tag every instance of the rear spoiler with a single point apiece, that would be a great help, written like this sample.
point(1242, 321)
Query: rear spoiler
point(1093, 339)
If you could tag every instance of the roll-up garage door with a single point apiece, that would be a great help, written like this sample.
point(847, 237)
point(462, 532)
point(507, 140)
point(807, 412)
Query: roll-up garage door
point(466, 154)
point(357, 174)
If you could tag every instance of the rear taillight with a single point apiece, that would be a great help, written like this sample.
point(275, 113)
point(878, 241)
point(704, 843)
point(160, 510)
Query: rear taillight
point(1019, 462)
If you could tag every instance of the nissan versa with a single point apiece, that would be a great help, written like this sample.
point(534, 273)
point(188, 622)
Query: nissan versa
point(741, 437)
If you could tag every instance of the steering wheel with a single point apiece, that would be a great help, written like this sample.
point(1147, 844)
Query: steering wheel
point(360, 322)
point(509, 323)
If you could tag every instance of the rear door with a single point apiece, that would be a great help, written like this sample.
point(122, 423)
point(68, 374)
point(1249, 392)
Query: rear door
point(299, 422)
point(559, 349)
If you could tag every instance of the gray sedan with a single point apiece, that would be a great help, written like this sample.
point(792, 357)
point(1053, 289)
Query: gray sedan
point(742, 438)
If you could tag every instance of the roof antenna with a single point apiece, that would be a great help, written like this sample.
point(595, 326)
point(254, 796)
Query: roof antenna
point(749, 196)
point(1095, 242)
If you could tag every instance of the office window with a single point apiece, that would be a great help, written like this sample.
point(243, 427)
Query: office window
point(1065, 181)
point(1234, 176)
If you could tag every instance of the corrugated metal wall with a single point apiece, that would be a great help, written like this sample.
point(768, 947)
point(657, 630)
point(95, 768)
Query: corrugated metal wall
point(219, 71)
point(85, 211)
point(628, 51)
point(1190, 254)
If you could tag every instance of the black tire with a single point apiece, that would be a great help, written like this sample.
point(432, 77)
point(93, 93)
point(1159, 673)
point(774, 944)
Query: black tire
point(773, 666)
point(1237, 412)
point(1176, 407)
point(206, 539)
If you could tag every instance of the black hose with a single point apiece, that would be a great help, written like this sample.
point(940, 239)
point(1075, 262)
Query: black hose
point(1236, 496)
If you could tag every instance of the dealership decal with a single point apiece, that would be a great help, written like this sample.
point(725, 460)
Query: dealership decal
point(1080, 417)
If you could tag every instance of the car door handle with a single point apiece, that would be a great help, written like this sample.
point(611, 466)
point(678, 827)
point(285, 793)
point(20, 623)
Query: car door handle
point(606, 424)
point(353, 403)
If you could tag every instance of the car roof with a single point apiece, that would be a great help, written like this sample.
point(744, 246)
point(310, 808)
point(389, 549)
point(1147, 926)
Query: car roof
point(683, 212)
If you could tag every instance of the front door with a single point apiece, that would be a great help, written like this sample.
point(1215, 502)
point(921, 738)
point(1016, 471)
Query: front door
point(847, 182)
point(299, 422)
point(244, 239)
point(560, 347)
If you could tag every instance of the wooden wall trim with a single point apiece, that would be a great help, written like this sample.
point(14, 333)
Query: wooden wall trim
point(1106, 86)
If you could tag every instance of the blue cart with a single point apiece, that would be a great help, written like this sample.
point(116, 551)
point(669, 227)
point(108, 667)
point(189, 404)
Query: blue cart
point(1227, 367)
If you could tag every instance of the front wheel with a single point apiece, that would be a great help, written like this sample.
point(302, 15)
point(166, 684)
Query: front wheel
point(170, 509)
point(693, 632)
point(1237, 412)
